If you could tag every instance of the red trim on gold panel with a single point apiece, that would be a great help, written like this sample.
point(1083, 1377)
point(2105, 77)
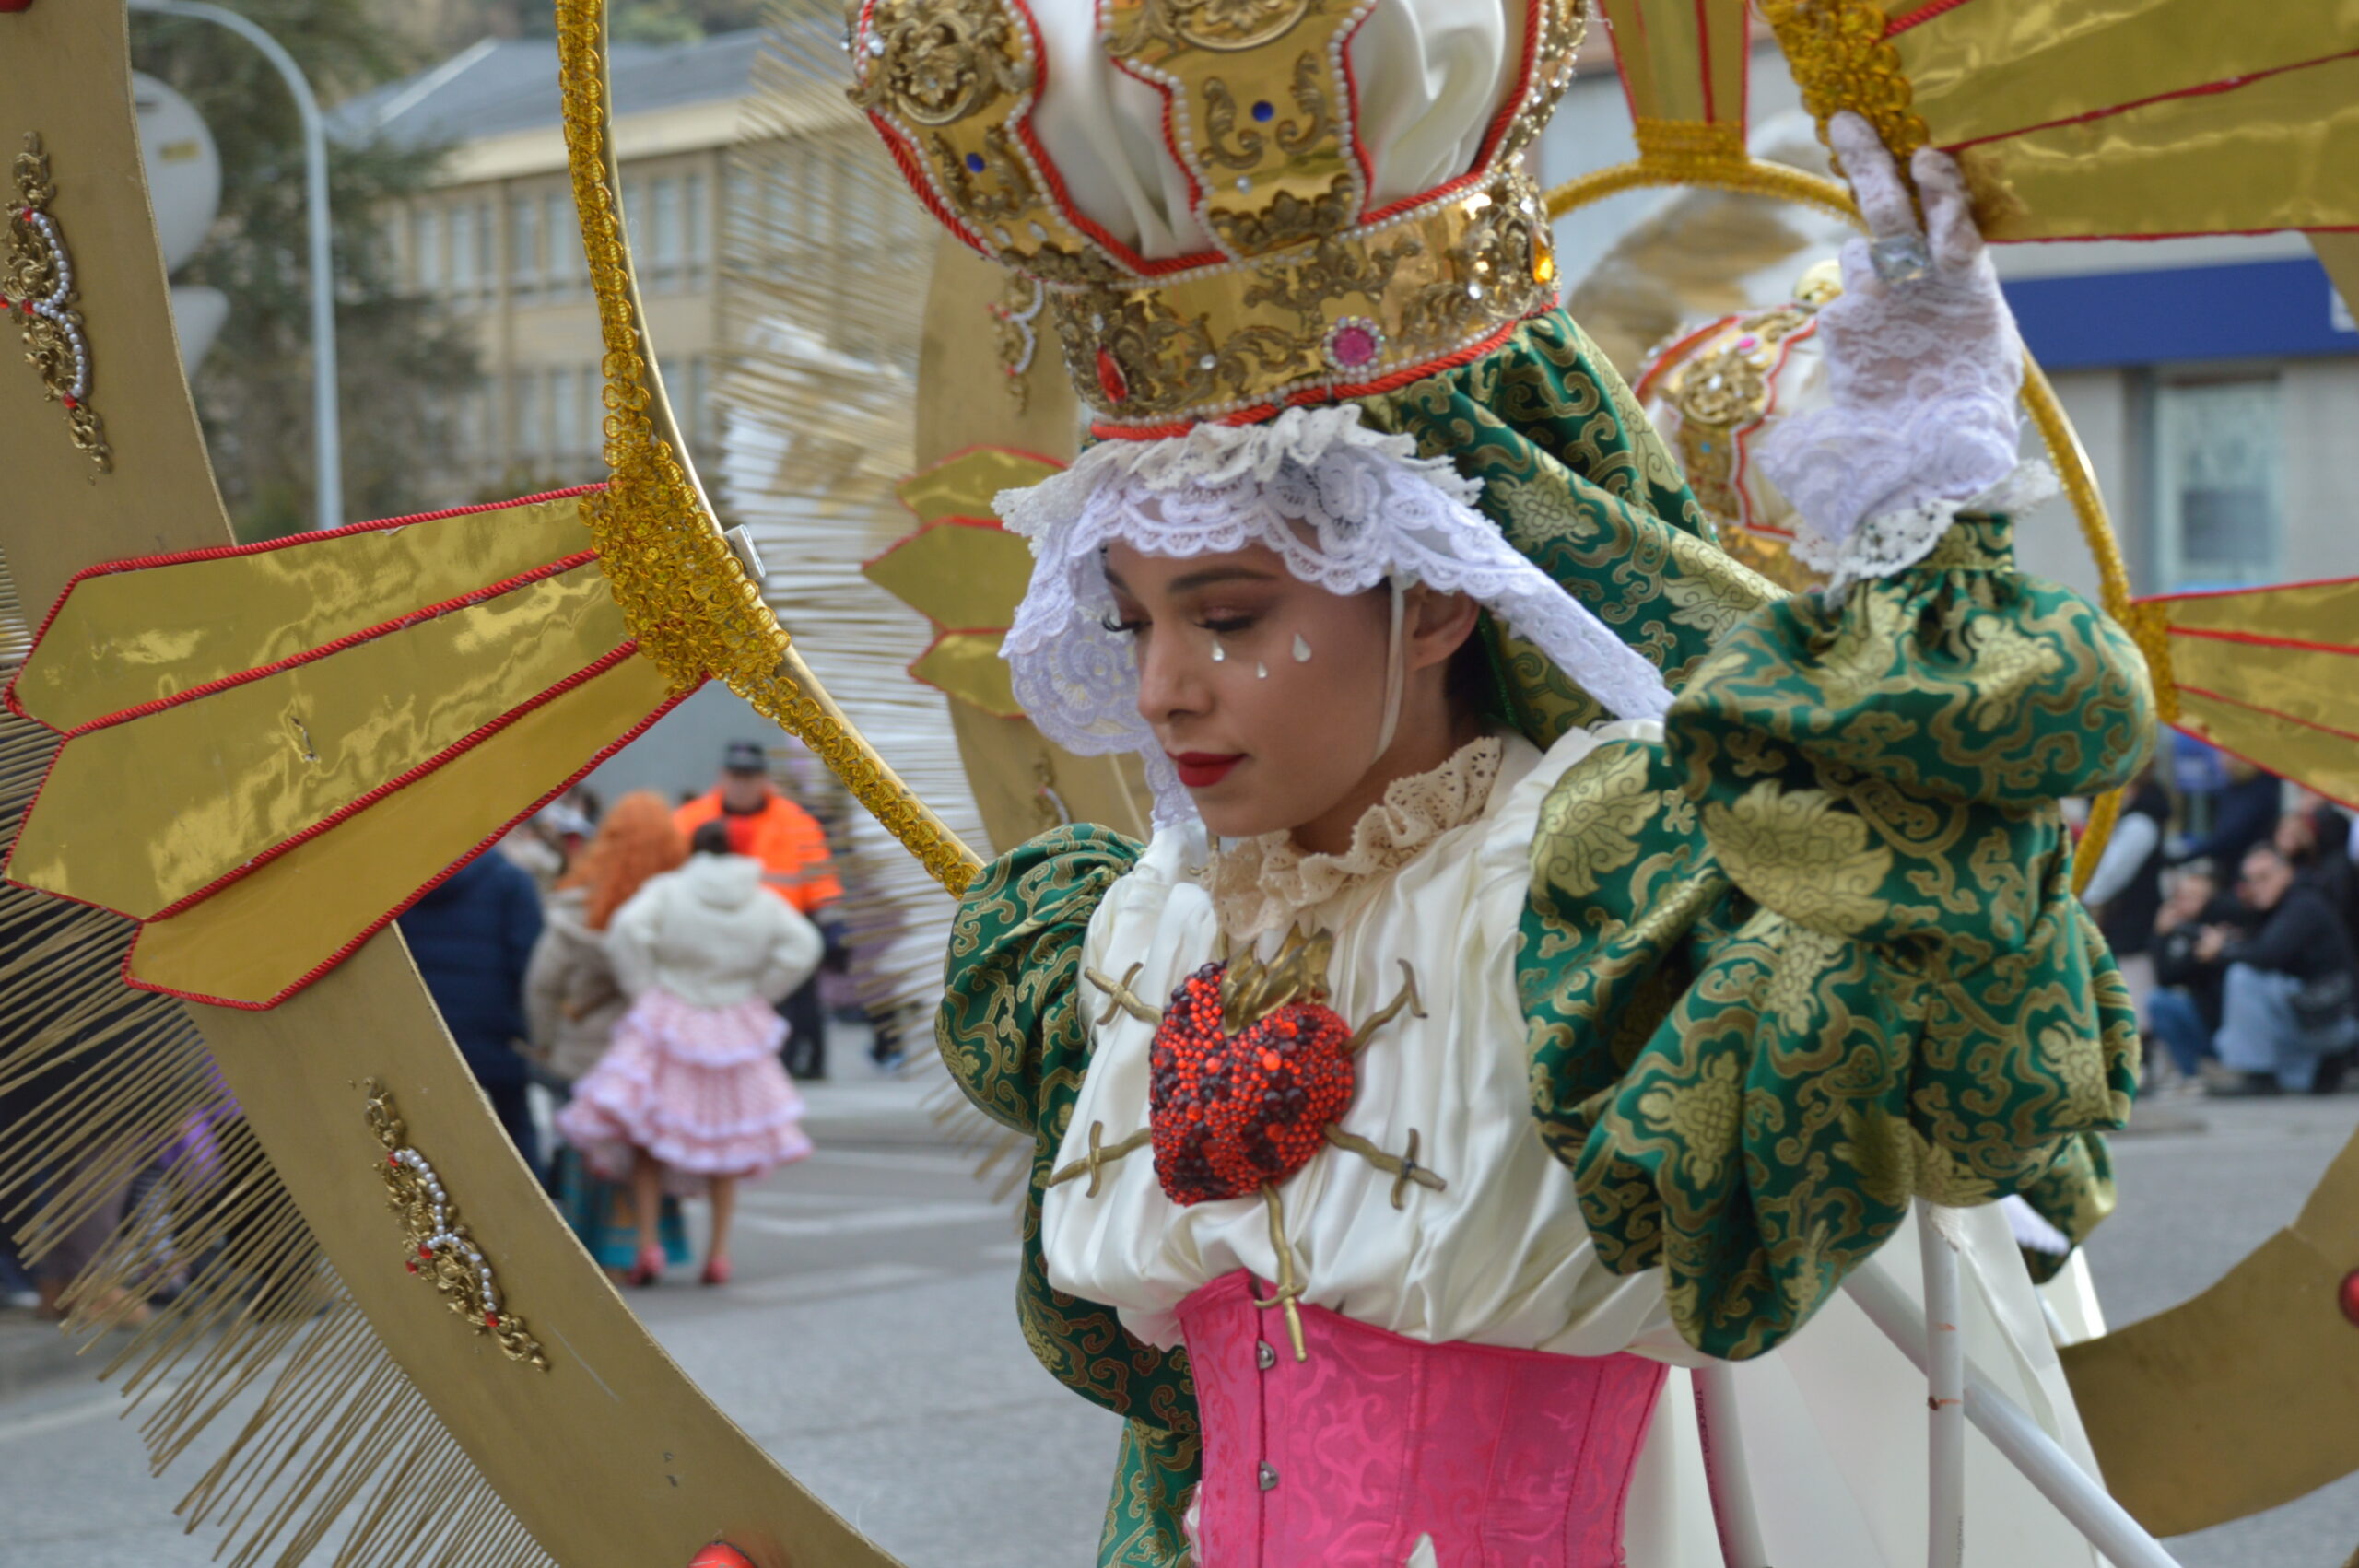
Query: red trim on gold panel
point(2205, 89)
point(598, 666)
point(2186, 728)
point(2258, 640)
point(1919, 17)
point(1351, 116)
point(311, 655)
point(292, 540)
point(989, 524)
point(2255, 587)
point(1703, 55)
point(349, 948)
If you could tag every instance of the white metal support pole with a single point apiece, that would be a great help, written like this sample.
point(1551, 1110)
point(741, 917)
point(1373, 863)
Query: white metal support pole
point(1727, 1474)
point(328, 445)
point(1944, 1393)
point(2077, 1495)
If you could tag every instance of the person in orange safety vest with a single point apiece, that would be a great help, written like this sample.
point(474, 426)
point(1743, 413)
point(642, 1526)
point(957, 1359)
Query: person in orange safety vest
point(768, 827)
point(787, 840)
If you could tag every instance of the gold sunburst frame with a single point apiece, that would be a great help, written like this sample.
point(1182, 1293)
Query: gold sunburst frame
point(684, 595)
point(1719, 163)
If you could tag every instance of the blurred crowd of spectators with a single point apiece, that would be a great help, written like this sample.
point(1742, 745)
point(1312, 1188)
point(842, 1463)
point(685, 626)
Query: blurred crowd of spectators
point(2235, 939)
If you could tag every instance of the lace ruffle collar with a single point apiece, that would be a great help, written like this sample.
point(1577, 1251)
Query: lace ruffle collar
point(1259, 885)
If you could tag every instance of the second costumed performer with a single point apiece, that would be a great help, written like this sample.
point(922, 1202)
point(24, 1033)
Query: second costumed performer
point(1560, 958)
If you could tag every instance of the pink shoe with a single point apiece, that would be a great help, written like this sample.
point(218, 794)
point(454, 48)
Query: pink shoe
point(650, 1266)
point(717, 1270)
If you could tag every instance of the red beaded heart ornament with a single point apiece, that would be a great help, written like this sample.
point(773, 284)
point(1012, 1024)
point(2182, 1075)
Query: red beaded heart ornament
point(1234, 1109)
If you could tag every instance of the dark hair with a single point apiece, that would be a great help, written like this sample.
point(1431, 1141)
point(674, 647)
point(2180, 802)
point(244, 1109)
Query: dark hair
point(709, 838)
point(1470, 683)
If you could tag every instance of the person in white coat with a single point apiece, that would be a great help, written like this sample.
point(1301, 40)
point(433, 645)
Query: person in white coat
point(691, 1090)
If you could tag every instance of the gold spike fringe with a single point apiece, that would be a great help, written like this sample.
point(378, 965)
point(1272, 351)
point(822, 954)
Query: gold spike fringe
point(824, 264)
point(334, 1455)
point(824, 268)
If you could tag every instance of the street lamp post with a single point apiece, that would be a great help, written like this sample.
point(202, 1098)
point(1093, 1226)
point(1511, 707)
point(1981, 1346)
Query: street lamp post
point(326, 438)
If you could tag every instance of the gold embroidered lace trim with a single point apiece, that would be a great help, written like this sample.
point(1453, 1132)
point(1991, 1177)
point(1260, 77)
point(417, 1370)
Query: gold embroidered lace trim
point(1262, 883)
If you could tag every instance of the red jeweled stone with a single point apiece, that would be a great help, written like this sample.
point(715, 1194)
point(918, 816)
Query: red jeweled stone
point(491, 1320)
point(1230, 1112)
point(2349, 1297)
point(1110, 380)
point(426, 1252)
point(1353, 347)
point(412, 1267)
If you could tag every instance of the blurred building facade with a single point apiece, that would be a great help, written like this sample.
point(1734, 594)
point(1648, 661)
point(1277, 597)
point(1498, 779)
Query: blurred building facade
point(497, 243)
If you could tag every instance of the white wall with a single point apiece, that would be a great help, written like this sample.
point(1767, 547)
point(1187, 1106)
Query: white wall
point(2049, 542)
point(2318, 401)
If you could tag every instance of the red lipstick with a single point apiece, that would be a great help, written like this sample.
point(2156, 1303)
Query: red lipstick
point(1201, 770)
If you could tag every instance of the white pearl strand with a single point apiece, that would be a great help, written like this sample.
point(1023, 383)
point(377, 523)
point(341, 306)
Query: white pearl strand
point(443, 1235)
point(52, 307)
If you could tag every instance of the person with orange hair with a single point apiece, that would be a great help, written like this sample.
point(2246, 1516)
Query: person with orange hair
point(573, 1003)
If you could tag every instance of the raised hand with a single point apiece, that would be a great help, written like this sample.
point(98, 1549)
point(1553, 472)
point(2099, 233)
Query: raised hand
point(1923, 363)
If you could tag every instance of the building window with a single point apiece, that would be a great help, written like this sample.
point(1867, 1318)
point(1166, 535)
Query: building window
point(531, 440)
point(567, 263)
point(740, 190)
point(464, 279)
point(2219, 465)
point(592, 439)
point(669, 250)
point(565, 412)
point(698, 227)
point(524, 247)
point(426, 250)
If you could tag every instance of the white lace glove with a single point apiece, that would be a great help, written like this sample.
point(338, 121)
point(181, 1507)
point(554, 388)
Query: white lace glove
point(1923, 364)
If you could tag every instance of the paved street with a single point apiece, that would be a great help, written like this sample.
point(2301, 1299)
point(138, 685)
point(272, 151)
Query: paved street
point(870, 1344)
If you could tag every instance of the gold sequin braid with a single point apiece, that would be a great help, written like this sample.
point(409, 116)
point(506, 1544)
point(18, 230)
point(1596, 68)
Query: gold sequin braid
point(1677, 153)
point(688, 601)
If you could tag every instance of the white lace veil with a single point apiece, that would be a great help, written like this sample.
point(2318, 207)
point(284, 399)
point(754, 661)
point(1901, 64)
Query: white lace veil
point(1345, 507)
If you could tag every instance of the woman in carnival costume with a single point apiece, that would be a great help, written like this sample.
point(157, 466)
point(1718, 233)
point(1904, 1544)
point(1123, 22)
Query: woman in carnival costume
point(1560, 959)
point(573, 999)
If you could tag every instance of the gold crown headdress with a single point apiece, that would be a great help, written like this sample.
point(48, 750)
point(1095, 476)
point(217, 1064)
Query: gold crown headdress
point(1285, 264)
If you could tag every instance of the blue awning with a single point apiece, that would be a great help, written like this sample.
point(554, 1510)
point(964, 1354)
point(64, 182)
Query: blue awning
point(2250, 310)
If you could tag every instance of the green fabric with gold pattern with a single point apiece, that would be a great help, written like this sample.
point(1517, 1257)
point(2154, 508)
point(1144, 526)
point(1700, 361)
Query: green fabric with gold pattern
point(1012, 1032)
point(1581, 485)
point(1154, 1468)
point(1817, 952)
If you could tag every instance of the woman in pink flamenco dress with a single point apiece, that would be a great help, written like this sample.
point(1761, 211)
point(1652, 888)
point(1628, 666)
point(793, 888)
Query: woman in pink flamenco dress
point(691, 1092)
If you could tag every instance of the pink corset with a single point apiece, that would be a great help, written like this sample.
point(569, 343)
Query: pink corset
point(1506, 1458)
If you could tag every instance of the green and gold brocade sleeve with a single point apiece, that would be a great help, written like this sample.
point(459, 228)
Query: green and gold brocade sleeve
point(1817, 952)
point(1012, 1032)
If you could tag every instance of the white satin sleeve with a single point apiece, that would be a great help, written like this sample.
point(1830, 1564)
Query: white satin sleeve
point(1431, 74)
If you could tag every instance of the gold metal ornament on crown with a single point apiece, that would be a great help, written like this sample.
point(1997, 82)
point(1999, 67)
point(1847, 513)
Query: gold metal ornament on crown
point(1307, 289)
point(682, 592)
